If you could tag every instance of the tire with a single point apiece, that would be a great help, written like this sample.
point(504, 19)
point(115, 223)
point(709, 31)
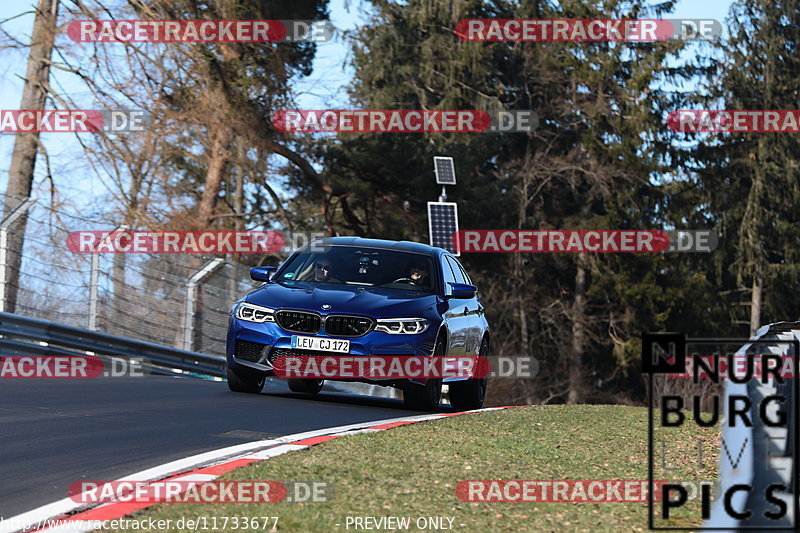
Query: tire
point(470, 394)
point(245, 382)
point(426, 398)
point(307, 386)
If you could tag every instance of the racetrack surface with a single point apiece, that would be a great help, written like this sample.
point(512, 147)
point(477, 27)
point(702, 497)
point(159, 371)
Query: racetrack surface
point(54, 432)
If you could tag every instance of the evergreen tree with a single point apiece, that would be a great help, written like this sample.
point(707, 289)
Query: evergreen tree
point(750, 180)
point(588, 165)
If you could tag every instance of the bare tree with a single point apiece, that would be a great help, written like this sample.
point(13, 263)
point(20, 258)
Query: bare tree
point(26, 145)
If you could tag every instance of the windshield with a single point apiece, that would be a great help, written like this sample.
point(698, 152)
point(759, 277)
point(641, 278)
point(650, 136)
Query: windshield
point(368, 267)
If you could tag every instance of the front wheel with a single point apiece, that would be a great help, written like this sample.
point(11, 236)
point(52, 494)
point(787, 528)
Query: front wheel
point(307, 386)
point(423, 398)
point(470, 394)
point(426, 398)
point(243, 381)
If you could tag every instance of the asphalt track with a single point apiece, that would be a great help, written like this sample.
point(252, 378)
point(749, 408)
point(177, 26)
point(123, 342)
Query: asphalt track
point(54, 432)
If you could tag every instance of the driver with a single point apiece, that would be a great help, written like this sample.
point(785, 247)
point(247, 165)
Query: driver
point(419, 273)
point(323, 267)
point(321, 270)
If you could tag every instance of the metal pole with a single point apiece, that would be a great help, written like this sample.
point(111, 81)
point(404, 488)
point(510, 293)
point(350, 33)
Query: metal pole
point(188, 316)
point(191, 298)
point(4, 225)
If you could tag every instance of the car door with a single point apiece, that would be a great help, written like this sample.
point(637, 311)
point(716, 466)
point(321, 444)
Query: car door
point(471, 309)
point(455, 316)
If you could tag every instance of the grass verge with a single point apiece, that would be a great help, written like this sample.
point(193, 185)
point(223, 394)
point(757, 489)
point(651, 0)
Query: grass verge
point(413, 471)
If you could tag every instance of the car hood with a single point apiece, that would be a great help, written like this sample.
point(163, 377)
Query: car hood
point(372, 301)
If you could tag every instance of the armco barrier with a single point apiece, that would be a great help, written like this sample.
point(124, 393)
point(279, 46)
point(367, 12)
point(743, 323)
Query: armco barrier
point(20, 335)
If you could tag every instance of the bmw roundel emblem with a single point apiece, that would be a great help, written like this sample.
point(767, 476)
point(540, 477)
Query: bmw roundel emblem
point(325, 307)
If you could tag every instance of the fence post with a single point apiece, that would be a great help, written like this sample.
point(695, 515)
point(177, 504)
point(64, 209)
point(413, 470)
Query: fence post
point(191, 298)
point(4, 225)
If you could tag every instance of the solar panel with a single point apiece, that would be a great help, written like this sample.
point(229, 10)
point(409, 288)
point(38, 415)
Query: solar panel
point(443, 224)
point(445, 170)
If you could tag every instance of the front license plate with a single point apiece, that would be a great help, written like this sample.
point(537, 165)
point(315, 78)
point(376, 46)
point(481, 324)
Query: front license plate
point(320, 344)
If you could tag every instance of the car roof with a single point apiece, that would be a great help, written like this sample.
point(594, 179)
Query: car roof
point(404, 246)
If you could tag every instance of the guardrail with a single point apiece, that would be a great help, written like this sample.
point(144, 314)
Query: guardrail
point(766, 452)
point(21, 335)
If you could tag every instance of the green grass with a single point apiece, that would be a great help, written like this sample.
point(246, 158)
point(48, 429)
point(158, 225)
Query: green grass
point(413, 471)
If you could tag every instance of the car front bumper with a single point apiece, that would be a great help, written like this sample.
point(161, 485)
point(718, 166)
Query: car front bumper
point(249, 345)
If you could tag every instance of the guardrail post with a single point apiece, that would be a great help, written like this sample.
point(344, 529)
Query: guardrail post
point(4, 225)
point(191, 298)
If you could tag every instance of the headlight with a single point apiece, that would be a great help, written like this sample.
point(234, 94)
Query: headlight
point(255, 313)
point(401, 326)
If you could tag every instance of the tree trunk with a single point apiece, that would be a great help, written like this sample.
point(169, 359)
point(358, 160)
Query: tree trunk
point(576, 378)
point(238, 225)
point(519, 268)
point(123, 303)
point(755, 304)
point(756, 202)
point(218, 157)
point(26, 145)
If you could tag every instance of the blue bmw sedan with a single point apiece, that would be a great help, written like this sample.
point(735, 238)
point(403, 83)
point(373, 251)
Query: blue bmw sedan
point(361, 297)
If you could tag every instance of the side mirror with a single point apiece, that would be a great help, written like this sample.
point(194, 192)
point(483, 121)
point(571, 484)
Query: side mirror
point(462, 290)
point(262, 273)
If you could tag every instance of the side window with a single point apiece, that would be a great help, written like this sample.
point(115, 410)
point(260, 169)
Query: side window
point(447, 271)
point(457, 271)
point(463, 271)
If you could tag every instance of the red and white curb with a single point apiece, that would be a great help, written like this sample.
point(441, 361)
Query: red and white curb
point(70, 516)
